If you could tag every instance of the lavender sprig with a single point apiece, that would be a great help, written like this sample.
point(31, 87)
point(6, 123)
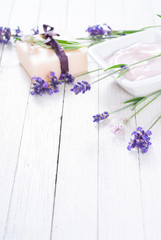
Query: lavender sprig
point(54, 82)
point(81, 87)
point(35, 31)
point(18, 33)
point(5, 35)
point(40, 87)
point(99, 117)
point(98, 33)
point(67, 78)
point(141, 140)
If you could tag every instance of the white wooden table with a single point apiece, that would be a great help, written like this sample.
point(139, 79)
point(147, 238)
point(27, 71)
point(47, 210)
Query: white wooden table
point(62, 177)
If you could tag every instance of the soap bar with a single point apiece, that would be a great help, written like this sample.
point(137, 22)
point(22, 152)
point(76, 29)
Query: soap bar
point(39, 61)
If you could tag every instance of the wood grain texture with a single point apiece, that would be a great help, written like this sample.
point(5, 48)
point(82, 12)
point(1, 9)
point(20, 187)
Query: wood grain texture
point(31, 202)
point(150, 163)
point(119, 206)
point(62, 176)
point(76, 196)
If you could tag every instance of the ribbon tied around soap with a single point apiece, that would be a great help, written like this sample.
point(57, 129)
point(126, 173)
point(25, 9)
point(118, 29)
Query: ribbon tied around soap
point(48, 33)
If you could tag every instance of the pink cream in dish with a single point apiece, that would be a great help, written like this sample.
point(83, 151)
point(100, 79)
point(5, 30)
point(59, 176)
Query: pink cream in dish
point(137, 52)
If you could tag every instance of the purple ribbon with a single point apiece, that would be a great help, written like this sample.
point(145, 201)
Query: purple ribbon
point(48, 33)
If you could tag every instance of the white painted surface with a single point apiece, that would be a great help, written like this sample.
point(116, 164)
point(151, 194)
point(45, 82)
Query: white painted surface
point(63, 177)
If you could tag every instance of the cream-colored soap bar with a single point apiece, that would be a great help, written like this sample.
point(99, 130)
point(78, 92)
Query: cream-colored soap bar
point(39, 61)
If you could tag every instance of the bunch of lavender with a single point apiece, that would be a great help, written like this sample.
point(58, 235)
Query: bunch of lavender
point(98, 33)
point(17, 35)
point(41, 87)
point(5, 35)
point(141, 138)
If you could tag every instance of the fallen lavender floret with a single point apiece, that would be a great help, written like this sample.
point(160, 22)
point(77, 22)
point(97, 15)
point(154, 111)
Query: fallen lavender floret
point(141, 140)
point(81, 87)
point(5, 34)
point(116, 128)
point(35, 31)
point(18, 32)
point(124, 67)
point(67, 77)
point(100, 117)
point(40, 87)
point(54, 82)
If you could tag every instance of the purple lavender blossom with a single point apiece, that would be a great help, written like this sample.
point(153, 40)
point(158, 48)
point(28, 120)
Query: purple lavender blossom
point(95, 30)
point(40, 87)
point(124, 67)
point(81, 87)
point(141, 140)
point(109, 30)
point(35, 30)
point(100, 117)
point(116, 128)
point(54, 82)
point(99, 31)
point(5, 34)
point(18, 32)
point(67, 77)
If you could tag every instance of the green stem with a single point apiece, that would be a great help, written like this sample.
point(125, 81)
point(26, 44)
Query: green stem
point(142, 100)
point(142, 29)
point(143, 107)
point(88, 72)
point(120, 109)
point(105, 76)
point(147, 59)
point(133, 64)
point(155, 122)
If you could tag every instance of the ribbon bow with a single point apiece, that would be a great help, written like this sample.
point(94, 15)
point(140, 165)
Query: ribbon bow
point(48, 33)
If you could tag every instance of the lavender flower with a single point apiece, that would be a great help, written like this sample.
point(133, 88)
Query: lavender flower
point(18, 32)
point(66, 77)
point(116, 128)
point(99, 31)
point(35, 30)
point(54, 82)
point(141, 140)
point(40, 87)
point(81, 87)
point(100, 117)
point(5, 34)
point(95, 30)
point(108, 30)
point(124, 67)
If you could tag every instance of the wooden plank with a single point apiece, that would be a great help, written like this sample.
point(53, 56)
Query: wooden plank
point(80, 15)
point(33, 192)
point(110, 13)
point(13, 95)
point(32, 200)
point(137, 14)
point(4, 19)
point(54, 13)
point(119, 202)
point(75, 215)
point(150, 164)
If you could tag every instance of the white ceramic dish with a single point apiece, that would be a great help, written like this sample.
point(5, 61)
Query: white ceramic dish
point(101, 51)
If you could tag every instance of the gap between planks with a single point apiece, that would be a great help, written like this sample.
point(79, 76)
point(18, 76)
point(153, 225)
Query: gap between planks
point(57, 164)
